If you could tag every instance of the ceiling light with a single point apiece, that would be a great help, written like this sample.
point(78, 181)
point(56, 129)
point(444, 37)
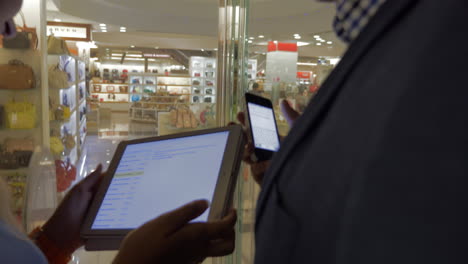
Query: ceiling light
point(252, 38)
point(316, 36)
point(329, 42)
point(296, 34)
point(297, 37)
point(102, 25)
point(202, 49)
point(132, 46)
point(321, 40)
point(250, 42)
point(315, 75)
point(306, 64)
point(261, 36)
point(123, 28)
point(103, 30)
point(156, 47)
point(300, 43)
point(57, 20)
point(215, 49)
point(319, 44)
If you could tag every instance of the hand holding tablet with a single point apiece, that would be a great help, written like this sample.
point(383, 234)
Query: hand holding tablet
point(174, 240)
point(149, 177)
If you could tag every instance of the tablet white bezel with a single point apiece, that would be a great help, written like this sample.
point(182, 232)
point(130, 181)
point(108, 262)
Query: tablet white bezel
point(224, 189)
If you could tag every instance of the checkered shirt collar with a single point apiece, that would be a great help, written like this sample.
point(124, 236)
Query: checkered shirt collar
point(352, 16)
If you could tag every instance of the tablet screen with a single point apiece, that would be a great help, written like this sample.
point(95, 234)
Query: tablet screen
point(153, 178)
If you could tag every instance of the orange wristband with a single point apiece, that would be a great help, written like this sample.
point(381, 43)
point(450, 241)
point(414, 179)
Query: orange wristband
point(53, 253)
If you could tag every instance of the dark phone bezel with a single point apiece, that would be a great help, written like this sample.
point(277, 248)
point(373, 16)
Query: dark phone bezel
point(260, 154)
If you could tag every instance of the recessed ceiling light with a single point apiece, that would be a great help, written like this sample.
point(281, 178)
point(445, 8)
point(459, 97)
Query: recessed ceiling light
point(296, 34)
point(321, 40)
point(132, 46)
point(297, 37)
point(102, 25)
point(250, 42)
point(103, 30)
point(252, 38)
point(261, 36)
point(307, 64)
point(300, 43)
point(215, 49)
point(202, 49)
point(123, 28)
point(319, 44)
point(329, 42)
point(156, 47)
point(57, 20)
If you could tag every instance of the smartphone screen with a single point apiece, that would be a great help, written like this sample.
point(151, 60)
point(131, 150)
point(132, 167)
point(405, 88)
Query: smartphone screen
point(263, 125)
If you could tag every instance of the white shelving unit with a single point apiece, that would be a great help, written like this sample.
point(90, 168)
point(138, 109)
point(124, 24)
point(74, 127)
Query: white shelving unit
point(252, 69)
point(151, 93)
point(74, 97)
point(203, 79)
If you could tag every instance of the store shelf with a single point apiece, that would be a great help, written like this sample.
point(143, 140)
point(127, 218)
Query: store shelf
point(175, 85)
point(4, 129)
point(149, 102)
point(108, 93)
point(101, 83)
point(143, 84)
point(144, 120)
point(113, 102)
point(144, 109)
point(173, 76)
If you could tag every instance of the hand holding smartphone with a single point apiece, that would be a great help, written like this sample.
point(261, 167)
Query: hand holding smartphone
point(261, 123)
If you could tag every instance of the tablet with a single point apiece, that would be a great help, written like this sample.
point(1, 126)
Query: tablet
point(151, 176)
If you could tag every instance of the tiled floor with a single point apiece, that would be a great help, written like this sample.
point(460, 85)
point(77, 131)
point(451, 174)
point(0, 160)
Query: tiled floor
point(99, 149)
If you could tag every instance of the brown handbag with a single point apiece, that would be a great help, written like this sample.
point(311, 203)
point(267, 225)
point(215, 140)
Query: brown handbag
point(26, 37)
point(16, 76)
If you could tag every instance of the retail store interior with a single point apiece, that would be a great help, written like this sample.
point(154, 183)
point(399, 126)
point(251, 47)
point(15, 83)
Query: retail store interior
point(119, 70)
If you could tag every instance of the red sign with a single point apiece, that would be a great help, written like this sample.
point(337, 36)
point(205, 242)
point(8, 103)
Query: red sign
point(282, 46)
point(304, 75)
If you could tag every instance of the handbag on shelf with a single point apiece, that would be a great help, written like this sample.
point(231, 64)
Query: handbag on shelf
point(16, 76)
point(57, 46)
point(110, 89)
point(25, 38)
point(19, 144)
point(20, 115)
point(8, 161)
point(66, 112)
point(123, 89)
point(97, 88)
point(56, 146)
point(58, 79)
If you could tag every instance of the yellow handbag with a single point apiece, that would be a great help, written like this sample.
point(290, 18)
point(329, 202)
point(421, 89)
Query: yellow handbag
point(20, 115)
point(66, 112)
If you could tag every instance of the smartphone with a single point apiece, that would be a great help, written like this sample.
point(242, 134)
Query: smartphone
point(261, 123)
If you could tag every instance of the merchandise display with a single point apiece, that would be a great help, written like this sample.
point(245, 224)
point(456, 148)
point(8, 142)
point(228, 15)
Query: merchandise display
point(252, 69)
point(67, 107)
point(203, 74)
point(151, 93)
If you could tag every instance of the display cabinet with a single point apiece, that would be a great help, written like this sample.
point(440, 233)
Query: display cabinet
point(67, 109)
point(203, 78)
